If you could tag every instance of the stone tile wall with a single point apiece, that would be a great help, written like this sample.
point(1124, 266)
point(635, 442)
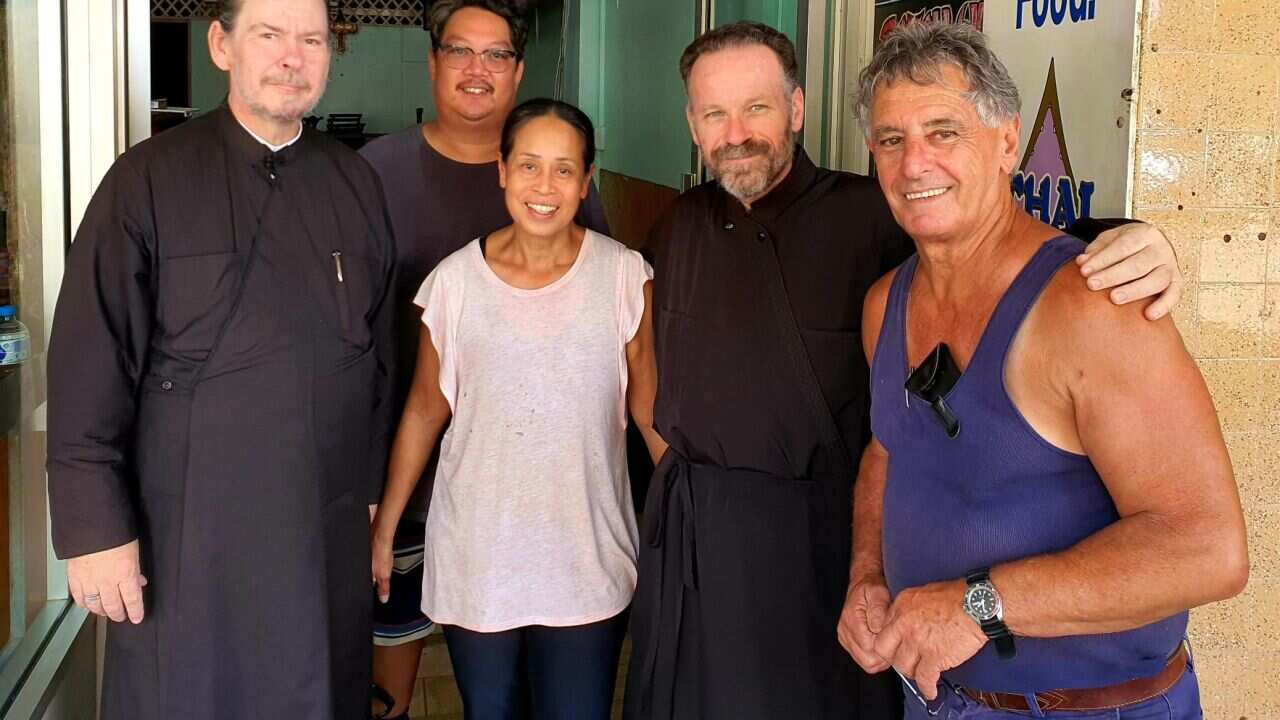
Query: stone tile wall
point(1208, 171)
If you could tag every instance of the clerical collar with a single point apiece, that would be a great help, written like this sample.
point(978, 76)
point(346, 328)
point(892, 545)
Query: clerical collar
point(272, 148)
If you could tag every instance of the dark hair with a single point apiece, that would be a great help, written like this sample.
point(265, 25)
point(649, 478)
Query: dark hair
point(227, 11)
point(739, 34)
point(442, 10)
point(539, 107)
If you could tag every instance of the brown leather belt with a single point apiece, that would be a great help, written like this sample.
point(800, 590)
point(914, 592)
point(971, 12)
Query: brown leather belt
point(1103, 698)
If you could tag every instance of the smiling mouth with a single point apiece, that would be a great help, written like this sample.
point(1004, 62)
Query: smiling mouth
point(476, 90)
point(926, 194)
point(544, 210)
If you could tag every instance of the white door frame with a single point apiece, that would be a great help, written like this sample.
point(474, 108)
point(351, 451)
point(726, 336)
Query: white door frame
point(850, 53)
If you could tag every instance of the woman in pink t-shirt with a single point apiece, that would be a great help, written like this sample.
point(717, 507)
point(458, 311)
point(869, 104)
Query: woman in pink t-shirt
point(536, 340)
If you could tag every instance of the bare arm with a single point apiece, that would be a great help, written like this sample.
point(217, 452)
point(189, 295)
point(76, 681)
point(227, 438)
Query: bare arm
point(868, 490)
point(1100, 379)
point(867, 601)
point(426, 412)
point(868, 513)
point(1145, 419)
point(642, 379)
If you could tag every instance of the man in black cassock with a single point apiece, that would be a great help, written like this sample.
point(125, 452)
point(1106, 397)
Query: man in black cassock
point(217, 393)
point(759, 280)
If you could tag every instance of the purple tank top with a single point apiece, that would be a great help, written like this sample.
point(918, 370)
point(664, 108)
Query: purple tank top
point(997, 492)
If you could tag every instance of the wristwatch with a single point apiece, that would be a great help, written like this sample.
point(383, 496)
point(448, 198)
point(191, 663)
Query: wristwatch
point(982, 603)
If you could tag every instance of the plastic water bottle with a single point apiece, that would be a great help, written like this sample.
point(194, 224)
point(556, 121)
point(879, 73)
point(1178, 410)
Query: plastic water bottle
point(15, 341)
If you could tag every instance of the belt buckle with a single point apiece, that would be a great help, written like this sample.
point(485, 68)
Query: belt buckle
point(910, 685)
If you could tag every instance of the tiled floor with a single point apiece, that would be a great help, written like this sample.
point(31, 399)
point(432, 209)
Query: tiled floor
point(436, 695)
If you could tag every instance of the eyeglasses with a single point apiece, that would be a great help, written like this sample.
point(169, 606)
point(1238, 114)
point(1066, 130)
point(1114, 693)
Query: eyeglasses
point(932, 381)
point(496, 60)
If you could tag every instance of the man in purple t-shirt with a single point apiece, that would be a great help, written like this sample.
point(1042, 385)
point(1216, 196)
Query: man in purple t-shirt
point(441, 184)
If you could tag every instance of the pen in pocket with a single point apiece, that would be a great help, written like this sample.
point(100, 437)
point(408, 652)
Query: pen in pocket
point(337, 263)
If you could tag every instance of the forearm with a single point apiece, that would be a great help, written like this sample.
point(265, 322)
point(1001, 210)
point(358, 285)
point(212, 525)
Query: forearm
point(640, 402)
point(642, 380)
point(414, 441)
point(1141, 569)
point(653, 441)
point(868, 514)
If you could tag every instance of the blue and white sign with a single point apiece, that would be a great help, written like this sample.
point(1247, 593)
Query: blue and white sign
point(1073, 61)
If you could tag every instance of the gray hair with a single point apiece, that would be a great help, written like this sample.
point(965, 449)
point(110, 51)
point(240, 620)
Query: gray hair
point(919, 51)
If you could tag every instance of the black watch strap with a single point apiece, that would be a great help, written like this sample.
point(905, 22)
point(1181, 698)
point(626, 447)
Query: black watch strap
point(1000, 636)
point(994, 629)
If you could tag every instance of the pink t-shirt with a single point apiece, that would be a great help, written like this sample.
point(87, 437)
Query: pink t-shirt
point(531, 521)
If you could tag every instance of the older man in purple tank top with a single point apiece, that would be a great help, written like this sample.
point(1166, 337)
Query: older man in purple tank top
point(1017, 545)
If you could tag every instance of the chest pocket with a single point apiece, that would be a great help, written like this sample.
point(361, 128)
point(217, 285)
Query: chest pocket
point(195, 293)
point(341, 272)
point(350, 282)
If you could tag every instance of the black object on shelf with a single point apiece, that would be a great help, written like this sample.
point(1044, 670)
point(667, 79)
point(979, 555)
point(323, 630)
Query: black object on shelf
point(347, 128)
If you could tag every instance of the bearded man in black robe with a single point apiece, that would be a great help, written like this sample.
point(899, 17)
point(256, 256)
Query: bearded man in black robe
point(759, 280)
point(217, 397)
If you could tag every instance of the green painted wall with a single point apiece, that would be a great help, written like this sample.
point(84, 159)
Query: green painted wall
point(629, 83)
point(542, 52)
point(780, 14)
point(628, 77)
point(383, 74)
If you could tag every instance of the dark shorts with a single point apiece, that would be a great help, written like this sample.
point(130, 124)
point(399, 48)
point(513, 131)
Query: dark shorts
point(400, 619)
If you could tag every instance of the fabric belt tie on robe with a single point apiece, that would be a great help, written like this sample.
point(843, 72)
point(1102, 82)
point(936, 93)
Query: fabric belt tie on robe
point(671, 509)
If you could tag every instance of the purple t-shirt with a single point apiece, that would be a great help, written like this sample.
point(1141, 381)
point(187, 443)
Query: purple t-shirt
point(436, 206)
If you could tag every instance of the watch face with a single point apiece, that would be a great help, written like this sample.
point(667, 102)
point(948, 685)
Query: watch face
point(982, 603)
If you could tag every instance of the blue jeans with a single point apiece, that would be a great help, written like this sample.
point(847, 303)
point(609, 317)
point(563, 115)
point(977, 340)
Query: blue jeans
point(1180, 702)
point(547, 673)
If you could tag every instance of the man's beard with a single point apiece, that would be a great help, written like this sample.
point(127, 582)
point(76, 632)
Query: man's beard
point(748, 180)
point(286, 112)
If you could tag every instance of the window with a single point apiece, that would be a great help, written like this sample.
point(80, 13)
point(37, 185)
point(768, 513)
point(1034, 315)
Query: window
point(32, 243)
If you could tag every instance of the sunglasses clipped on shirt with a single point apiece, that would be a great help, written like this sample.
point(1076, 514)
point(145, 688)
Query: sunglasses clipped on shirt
point(932, 381)
point(495, 60)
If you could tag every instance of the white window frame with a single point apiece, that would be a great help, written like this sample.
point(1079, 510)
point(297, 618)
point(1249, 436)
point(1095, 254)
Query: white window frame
point(94, 71)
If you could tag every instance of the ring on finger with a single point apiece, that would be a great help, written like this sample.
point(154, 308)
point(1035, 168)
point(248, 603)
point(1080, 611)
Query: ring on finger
point(92, 598)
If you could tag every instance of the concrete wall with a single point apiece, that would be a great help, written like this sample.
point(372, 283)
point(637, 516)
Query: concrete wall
point(1206, 170)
